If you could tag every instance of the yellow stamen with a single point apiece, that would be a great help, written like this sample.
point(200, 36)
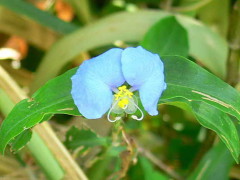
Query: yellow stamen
point(123, 103)
point(122, 88)
point(123, 94)
point(129, 93)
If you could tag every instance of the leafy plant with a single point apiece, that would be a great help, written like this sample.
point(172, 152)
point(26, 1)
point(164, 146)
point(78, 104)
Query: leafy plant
point(200, 69)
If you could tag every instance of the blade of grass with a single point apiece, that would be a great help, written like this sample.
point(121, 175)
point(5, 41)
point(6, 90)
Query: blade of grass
point(82, 10)
point(55, 149)
point(130, 27)
point(191, 6)
point(37, 146)
point(44, 18)
point(34, 33)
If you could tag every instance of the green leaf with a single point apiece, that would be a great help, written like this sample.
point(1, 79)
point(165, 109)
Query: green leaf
point(204, 93)
point(188, 80)
point(219, 122)
point(214, 119)
point(185, 80)
point(149, 172)
point(167, 37)
point(207, 47)
point(21, 140)
point(114, 151)
point(43, 18)
point(76, 138)
point(99, 170)
point(53, 98)
point(216, 164)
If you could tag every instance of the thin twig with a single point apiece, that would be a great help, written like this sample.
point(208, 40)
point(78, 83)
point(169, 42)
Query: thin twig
point(158, 163)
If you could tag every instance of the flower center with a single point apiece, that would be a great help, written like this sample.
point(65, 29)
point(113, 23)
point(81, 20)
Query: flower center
point(124, 102)
point(123, 96)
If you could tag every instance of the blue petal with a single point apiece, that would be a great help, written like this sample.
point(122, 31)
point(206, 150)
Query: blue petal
point(143, 70)
point(150, 92)
point(92, 84)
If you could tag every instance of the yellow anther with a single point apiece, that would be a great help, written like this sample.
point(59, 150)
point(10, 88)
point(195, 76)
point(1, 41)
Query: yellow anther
point(129, 93)
point(117, 96)
point(123, 102)
point(122, 88)
point(123, 94)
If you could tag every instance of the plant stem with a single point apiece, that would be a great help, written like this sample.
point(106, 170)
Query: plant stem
point(45, 158)
point(53, 151)
point(82, 9)
point(158, 163)
point(234, 44)
point(194, 6)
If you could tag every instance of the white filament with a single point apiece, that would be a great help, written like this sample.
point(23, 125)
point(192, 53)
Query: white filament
point(118, 117)
point(109, 112)
point(134, 116)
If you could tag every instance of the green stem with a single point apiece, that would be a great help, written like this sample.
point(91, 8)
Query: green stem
point(53, 145)
point(82, 10)
point(6, 104)
point(45, 158)
point(234, 44)
point(36, 145)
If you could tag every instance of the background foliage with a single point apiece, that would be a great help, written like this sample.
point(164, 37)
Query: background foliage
point(196, 134)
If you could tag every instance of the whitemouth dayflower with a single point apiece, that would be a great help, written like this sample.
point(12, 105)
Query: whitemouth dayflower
point(101, 84)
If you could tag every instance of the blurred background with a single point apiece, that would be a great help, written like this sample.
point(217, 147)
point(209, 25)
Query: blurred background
point(172, 145)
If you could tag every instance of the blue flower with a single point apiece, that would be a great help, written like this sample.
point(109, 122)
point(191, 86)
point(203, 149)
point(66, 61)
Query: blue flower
point(99, 85)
